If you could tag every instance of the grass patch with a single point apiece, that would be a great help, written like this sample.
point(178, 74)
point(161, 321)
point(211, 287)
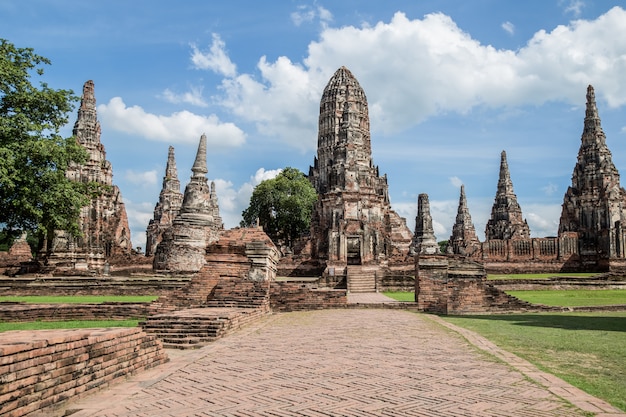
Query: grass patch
point(74, 324)
point(401, 295)
point(571, 298)
point(79, 299)
point(584, 349)
point(541, 276)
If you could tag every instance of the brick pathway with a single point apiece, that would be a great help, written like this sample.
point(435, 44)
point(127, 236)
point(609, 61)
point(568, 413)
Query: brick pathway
point(336, 363)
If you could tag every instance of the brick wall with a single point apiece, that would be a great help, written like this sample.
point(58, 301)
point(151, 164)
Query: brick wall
point(40, 369)
point(13, 312)
point(288, 296)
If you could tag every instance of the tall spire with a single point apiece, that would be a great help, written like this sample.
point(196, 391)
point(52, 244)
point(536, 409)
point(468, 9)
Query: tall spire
point(506, 220)
point(199, 168)
point(168, 206)
point(463, 240)
point(424, 242)
point(594, 205)
point(593, 128)
point(170, 168)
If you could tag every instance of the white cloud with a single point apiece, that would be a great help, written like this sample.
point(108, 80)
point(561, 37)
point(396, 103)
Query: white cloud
point(139, 215)
point(574, 7)
point(456, 181)
point(307, 14)
point(543, 219)
point(193, 97)
point(508, 27)
point(215, 59)
point(412, 69)
point(550, 189)
point(142, 178)
point(233, 201)
point(179, 127)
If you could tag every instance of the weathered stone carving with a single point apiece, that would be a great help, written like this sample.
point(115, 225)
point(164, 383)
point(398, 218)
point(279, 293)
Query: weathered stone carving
point(104, 223)
point(352, 221)
point(198, 223)
point(463, 240)
point(424, 241)
point(594, 205)
point(168, 207)
point(506, 220)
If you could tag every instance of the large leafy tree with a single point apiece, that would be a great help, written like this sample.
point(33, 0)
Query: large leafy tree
point(282, 205)
point(35, 194)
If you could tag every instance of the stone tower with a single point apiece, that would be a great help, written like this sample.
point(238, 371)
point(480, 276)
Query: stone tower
point(424, 241)
point(104, 223)
point(352, 222)
point(506, 220)
point(463, 240)
point(198, 223)
point(168, 207)
point(593, 206)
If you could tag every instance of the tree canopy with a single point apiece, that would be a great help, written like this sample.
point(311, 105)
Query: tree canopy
point(283, 205)
point(35, 194)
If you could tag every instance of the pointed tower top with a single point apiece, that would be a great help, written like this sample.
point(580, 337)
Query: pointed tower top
point(170, 168)
point(89, 96)
point(199, 168)
point(505, 175)
point(425, 242)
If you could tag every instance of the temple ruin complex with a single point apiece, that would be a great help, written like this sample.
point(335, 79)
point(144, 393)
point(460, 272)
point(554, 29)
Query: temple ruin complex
point(198, 223)
point(590, 235)
point(104, 222)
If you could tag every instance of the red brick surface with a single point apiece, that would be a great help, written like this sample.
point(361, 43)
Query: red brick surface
point(341, 363)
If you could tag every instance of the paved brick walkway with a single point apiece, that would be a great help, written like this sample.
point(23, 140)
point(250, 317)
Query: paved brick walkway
point(337, 363)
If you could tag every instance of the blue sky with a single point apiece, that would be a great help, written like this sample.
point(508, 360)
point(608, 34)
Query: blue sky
point(450, 84)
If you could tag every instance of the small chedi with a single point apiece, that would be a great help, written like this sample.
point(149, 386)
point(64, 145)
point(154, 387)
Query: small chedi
point(168, 207)
point(104, 222)
point(352, 222)
point(591, 236)
point(463, 240)
point(198, 223)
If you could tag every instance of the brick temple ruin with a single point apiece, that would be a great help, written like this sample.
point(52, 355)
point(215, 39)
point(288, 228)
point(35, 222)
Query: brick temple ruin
point(197, 223)
point(591, 236)
point(104, 222)
point(354, 231)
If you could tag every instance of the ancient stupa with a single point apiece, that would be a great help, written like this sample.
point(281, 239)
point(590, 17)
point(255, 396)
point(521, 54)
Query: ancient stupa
point(463, 240)
point(104, 222)
point(168, 206)
point(506, 221)
point(198, 223)
point(352, 222)
point(594, 205)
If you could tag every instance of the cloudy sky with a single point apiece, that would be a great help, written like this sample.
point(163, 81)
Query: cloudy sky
point(450, 84)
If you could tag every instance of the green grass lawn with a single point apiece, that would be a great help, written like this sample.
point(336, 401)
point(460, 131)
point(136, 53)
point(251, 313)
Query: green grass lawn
point(585, 349)
point(75, 324)
point(572, 298)
point(79, 299)
point(400, 295)
point(540, 276)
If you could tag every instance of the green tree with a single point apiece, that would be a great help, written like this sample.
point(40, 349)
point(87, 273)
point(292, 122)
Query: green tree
point(283, 206)
point(35, 194)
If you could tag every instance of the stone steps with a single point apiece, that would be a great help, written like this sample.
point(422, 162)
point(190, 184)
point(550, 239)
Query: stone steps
point(361, 279)
point(194, 328)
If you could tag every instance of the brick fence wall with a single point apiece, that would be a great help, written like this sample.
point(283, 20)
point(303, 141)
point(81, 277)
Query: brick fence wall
point(44, 368)
point(12, 312)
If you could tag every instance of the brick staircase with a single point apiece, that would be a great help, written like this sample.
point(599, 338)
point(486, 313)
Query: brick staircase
point(232, 304)
point(195, 327)
point(361, 278)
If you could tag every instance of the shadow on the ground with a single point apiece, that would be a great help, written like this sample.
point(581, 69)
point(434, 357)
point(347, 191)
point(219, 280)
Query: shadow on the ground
point(567, 322)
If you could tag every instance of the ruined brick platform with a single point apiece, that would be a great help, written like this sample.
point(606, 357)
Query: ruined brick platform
point(343, 363)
